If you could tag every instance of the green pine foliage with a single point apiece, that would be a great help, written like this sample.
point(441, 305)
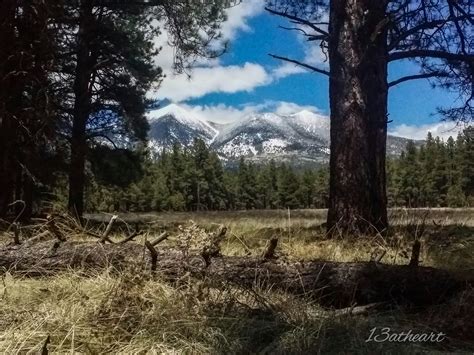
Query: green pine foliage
point(435, 174)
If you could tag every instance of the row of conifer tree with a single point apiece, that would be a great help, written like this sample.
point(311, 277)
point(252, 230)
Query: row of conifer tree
point(436, 173)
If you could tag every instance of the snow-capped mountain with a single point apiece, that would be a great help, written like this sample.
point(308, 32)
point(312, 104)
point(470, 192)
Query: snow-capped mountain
point(300, 138)
point(268, 135)
point(173, 124)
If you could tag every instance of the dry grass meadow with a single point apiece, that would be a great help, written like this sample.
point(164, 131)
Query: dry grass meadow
point(133, 313)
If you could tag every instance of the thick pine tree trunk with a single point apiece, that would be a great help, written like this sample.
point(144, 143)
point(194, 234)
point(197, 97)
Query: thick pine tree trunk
point(82, 105)
point(358, 99)
point(10, 91)
point(6, 165)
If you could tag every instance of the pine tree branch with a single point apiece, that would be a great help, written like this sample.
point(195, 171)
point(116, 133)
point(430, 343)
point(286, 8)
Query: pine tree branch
point(428, 53)
point(301, 64)
point(298, 20)
point(469, 17)
point(424, 26)
point(416, 77)
point(306, 34)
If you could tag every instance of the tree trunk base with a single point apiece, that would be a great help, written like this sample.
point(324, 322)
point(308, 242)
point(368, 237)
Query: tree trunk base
point(333, 284)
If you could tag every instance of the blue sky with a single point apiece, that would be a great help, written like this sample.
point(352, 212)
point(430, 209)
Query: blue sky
point(246, 79)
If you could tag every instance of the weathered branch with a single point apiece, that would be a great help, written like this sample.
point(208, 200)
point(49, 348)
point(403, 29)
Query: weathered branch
point(359, 310)
point(16, 233)
point(153, 253)
point(310, 37)
point(428, 53)
point(131, 237)
point(109, 228)
point(416, 77)
point(423, 26)
point(299, 20)
point(301, 64)
point(213, 248)
point(270, 247)
point(162, 237)
point(37, 238)
point(54, 229)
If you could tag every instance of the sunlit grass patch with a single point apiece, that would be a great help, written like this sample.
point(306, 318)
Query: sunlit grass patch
point(135, 314)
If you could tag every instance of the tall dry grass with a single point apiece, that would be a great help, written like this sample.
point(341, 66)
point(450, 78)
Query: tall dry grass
point(134, 314)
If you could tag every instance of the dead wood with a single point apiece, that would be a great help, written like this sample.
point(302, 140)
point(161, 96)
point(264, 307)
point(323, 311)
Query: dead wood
point(16, 233)
point(95, 235)
point(415, 254)
point(131, 237)
point(40, 236)
point(332, 283)
point(213, 248)
point(53, 228)
point(44, 348)
point(153, 253)
point(107, 231)
point(270, 247)
point(358, 310)
point(162, 237)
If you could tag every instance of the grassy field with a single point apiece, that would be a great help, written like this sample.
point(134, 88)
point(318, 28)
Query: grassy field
point(447, 235)
point(133, 313)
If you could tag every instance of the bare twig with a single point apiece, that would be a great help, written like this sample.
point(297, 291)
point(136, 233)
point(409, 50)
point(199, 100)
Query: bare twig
point(403, 79)
point(131, 237)
point(301, 64)
point(246, 247)
point(153, 253)
point(37, 237)
point(379, 257)
point(109, 228)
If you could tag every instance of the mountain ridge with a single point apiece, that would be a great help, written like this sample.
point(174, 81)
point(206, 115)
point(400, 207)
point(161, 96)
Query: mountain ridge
point(300, 138)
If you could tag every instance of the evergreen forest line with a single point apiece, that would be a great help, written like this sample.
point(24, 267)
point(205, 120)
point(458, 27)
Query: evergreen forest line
point(436, 174)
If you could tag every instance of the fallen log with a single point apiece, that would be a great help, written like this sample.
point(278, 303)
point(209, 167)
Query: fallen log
point(332, 283)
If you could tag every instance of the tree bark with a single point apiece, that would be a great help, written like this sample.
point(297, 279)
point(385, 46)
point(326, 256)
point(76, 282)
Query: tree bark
point(10, 94)
point(358, 91)
point(331, 283)
point(81, 111)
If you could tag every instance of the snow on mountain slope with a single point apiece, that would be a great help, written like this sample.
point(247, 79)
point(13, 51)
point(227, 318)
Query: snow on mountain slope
point(174, 124)
point(268, 134)
point(311, 123)
point(299, 138)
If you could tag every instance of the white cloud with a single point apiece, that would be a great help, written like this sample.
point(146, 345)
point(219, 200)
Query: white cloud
point(220, 113)
point(226, 114)
point(287, 69)
point(441, 129)
point(288, 108)
point(205, 80)
point(238, 16)
point(209, 76)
